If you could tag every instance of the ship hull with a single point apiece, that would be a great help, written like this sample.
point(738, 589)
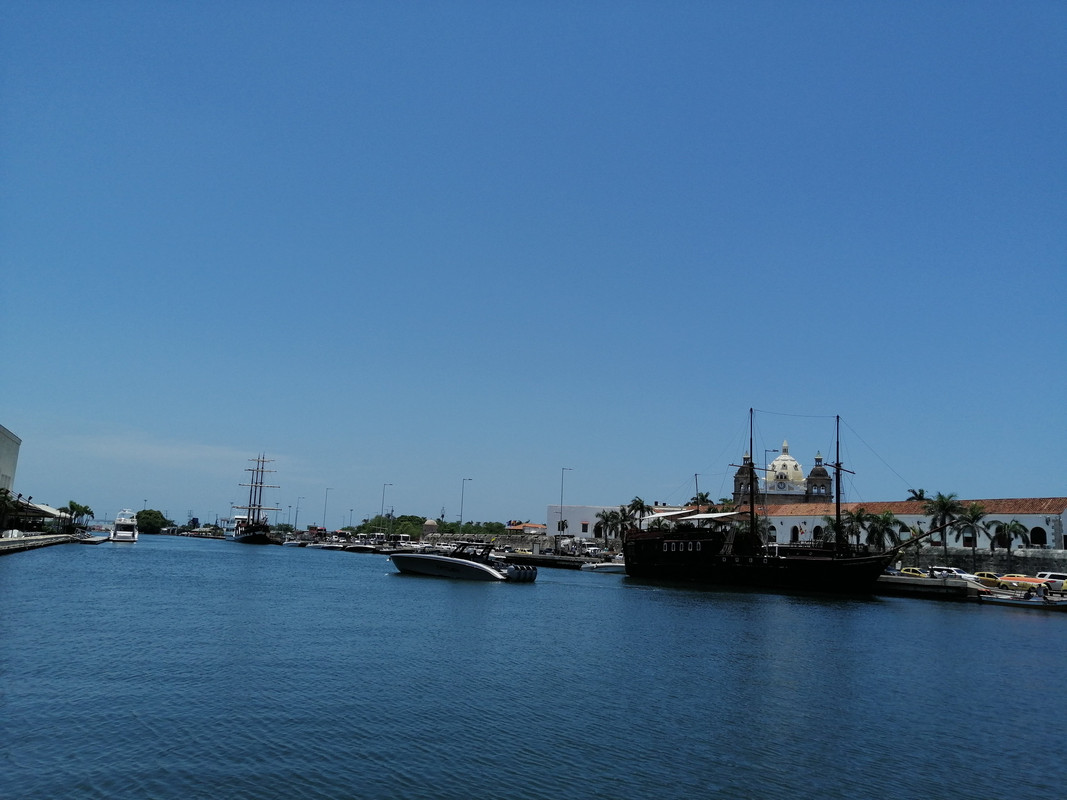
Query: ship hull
point(808, 569)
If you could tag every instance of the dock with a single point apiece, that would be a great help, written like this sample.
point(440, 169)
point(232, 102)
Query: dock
point(930, 588)
point(23, 543)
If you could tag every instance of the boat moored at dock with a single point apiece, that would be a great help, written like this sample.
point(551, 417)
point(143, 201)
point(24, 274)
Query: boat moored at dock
point(125, 527)
point(731, 549)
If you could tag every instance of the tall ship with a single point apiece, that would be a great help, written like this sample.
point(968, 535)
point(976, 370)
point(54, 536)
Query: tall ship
point(730, 549)
point(253, 526)
point(125, 527)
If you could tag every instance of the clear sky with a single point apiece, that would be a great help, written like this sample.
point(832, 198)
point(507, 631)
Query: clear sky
point(409, 243)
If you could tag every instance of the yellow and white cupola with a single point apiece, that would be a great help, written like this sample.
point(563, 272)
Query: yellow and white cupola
point(784, 473)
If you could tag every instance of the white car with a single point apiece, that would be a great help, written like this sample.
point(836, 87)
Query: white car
point(955, 572)
point(1055, 580)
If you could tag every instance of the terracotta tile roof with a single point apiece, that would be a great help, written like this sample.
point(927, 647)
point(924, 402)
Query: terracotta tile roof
point(993, 508)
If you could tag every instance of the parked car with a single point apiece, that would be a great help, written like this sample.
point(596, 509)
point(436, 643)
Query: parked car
point(1055, 579)
point(1016, 581)
point(955, 572)
point(988, 578)
point(914, 572)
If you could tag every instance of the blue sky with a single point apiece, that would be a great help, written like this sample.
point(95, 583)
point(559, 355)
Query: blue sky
point(410, 243)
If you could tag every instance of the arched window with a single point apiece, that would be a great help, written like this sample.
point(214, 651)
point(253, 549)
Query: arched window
point(1039, 538)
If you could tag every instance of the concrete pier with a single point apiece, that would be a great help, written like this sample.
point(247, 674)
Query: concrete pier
point(23, 543)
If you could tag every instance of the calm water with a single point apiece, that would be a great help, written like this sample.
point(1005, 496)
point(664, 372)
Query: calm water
point(176, 668)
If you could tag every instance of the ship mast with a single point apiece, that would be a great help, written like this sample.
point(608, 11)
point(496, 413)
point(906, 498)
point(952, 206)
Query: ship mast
point(839, 532)
point(751, 478)
point(255, 506)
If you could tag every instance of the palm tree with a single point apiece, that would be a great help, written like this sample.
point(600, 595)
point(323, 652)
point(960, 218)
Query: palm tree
point(882, 528)
point(700, 499)
point(638, 509)
point(835, 531)
point(1005, 533)
point(970, 521)
point(856, 522)
point(942, 510)
point(607, 522)
point(916, 533)
point(917, 494)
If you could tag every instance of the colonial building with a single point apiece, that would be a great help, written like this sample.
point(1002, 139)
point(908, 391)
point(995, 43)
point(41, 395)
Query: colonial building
point(784, 481)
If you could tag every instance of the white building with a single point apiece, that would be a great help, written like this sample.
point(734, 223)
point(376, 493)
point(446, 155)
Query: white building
point(9, 457)
point(1043, 518)
point(580, 521)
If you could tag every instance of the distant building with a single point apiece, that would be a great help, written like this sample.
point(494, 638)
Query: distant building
point(1043, 518)
point(9, 457)
point(784, 482)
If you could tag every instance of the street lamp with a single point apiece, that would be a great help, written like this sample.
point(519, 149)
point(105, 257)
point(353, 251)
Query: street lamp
point(382, 513)
point(324, 502)
point(462, 487)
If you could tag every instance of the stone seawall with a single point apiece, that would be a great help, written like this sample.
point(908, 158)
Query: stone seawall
point(1025, 561)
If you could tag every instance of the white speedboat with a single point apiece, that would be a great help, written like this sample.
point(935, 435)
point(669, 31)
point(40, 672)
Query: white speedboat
point(125, 529)
point(615, 565)
point(472, 562)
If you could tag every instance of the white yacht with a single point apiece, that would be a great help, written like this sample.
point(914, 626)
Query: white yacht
point(125, 528)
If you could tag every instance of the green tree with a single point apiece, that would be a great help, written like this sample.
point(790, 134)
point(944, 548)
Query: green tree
point(836, 532)
point(1004, 534)
point(856, 522)
point(638, 509)
point(970, 521)
point(151, 521)
point(882, 530)
point(8, 506)
point(942, 510)
point(700, 499)
point(917, 494)
point(608, 524)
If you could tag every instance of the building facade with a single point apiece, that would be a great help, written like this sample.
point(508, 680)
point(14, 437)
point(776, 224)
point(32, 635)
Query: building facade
point(9, 457)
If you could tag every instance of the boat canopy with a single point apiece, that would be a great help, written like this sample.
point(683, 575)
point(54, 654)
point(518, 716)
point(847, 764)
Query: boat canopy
point(665, 515)
point(687, 514)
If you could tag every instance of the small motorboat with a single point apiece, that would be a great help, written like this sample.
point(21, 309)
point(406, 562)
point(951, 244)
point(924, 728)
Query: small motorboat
point(617, 564)
point(468, 561)
point(1029, 600)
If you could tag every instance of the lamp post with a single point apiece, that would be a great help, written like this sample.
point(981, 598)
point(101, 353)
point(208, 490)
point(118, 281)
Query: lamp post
point(324, 502)
point(462, 487)
point(767, 463)
point(381, 515)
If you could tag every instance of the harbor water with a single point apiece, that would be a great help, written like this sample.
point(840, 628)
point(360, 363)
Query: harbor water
point(178, 668)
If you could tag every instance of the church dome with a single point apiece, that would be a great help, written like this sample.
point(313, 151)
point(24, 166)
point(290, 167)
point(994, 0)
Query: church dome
point(785, 467)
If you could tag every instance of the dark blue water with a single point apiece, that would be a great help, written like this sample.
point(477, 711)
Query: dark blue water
point(177, 668)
